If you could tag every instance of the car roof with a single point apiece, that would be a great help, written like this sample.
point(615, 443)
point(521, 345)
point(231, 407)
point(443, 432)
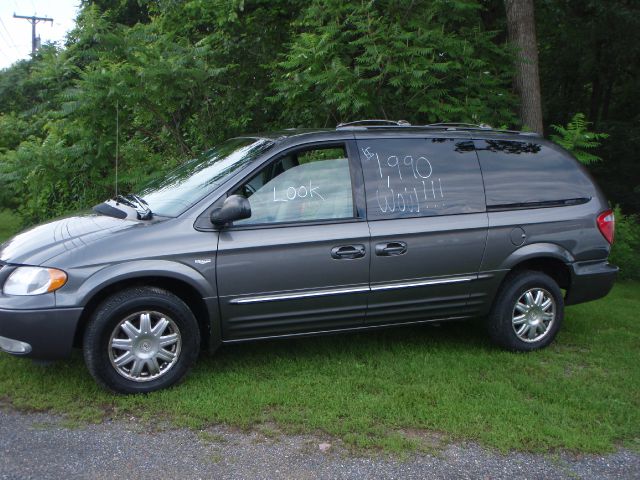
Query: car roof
point(278, 135)
point(390, 128)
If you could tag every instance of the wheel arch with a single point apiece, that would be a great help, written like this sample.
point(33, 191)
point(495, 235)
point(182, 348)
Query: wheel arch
point(548, 258)
point(191, 288)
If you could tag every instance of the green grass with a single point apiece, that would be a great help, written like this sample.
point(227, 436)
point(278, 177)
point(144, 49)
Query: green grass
point(397, 389)
point(9, 224)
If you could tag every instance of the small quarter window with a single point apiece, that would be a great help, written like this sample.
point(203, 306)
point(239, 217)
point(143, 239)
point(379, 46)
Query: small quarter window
point(304, 185)
point(521, 173)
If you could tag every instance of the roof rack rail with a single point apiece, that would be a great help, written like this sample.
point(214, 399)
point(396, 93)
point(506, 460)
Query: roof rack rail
point(376, 124)
point(482, 126)
point(364, 123)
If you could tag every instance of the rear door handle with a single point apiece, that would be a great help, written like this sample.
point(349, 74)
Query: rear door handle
point(391, 249)
point(348, 251)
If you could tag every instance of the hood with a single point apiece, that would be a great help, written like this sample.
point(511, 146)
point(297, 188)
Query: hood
point(43, 242)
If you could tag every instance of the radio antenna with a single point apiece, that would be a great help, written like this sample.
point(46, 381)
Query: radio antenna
point(117, 143)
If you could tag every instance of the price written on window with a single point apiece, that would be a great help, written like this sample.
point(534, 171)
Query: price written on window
point(407, 183)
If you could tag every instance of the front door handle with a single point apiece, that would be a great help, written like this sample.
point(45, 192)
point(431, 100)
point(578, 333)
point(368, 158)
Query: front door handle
point(348, 251)
point(391, 249)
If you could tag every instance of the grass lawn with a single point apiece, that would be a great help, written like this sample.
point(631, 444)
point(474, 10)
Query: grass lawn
point(402, 389)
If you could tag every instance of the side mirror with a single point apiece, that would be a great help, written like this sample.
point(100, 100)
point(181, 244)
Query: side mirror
point(235, 207)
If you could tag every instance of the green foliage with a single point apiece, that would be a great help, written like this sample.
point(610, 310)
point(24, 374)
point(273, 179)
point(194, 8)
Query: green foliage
point(421, 61)
point(625, 252)
point(9, 224)
point(576, 138)
point(185, 75)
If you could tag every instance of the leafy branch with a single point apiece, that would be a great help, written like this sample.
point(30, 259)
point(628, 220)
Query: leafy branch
point(577, 138)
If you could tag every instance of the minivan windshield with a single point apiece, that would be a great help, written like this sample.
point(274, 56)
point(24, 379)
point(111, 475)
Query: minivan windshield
point(172, 194)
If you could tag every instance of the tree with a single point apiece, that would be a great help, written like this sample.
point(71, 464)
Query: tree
point(590, 62)
point(187, 74)
point(521, 29)
point(421, 61)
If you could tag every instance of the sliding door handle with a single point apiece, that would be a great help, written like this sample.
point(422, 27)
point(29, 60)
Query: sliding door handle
point(390, 249)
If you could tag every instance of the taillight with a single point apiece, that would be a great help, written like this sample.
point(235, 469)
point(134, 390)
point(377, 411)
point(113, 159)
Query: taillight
point(607, 225)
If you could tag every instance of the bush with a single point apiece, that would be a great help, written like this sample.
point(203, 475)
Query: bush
point(577, 138)
point(626, 248)
point(9, 224)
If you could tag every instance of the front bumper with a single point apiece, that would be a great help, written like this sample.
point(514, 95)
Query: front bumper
point(45, 334)
point(590, 281)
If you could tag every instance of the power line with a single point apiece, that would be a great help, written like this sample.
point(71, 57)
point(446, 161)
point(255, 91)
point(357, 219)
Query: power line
point(5, 55)
point(4, 39)
point(9, 44)
point(5, 43)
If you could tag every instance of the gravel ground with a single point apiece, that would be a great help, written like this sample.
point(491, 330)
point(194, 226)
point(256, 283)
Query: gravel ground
point(43, 446)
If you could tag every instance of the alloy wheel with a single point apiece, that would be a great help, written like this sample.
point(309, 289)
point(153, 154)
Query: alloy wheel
point(145, 346)
point(533, 315)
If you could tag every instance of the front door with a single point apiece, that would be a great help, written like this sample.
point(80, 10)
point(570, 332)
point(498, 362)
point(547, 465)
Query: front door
point(426, 211)
point(300, 263)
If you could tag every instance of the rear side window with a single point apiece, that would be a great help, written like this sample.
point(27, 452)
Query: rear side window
point(418, 177)
point(529, 173)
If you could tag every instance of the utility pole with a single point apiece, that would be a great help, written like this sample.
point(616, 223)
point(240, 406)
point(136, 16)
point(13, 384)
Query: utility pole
point(35, 41)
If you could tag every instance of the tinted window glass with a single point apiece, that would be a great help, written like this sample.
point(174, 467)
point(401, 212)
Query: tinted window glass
point(301, 186)
point(420, 177)
point(529, 172)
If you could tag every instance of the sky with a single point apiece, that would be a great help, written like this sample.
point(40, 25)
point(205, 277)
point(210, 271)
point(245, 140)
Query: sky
point(15, 33)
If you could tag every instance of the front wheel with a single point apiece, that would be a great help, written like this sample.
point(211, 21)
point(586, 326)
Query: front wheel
point(527, 313)
point(141, 340)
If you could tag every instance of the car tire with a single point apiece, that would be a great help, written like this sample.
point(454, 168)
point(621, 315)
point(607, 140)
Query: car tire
point(527, 312)
point(140, 340)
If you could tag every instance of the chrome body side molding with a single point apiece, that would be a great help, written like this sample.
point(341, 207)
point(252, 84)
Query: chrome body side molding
point(343, 291)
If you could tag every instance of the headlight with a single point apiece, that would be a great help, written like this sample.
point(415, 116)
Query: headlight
point(34, 281)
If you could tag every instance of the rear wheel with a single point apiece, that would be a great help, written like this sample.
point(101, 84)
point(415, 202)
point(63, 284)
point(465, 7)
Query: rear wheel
point(527, 312)
point(141, 340)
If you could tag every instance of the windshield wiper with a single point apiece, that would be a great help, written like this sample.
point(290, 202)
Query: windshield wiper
point(138, 203)
point(124, 200)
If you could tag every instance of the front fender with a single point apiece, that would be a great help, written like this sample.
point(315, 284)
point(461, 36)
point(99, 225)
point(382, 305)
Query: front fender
point(137, 269)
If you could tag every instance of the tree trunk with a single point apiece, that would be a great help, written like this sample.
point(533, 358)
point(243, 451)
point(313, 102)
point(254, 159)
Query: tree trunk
point(521, 28)
point(596, 97)
point(604, 116)
point(596, 87)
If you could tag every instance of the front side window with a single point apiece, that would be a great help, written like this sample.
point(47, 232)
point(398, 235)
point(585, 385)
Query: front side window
point(303, 185)
point(420, 177)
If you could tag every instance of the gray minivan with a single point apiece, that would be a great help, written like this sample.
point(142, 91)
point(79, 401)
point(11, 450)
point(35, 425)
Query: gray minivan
point(303, 232)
